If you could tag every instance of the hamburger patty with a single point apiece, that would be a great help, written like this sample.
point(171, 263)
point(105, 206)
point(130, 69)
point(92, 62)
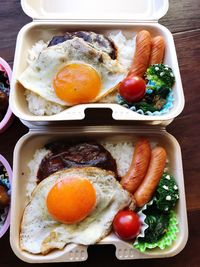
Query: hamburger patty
point(76, 155)
point(98, 41)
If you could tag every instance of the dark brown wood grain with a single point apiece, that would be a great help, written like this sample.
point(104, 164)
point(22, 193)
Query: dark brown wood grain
point(183, 20)
point(186, 127)
point(182, 16)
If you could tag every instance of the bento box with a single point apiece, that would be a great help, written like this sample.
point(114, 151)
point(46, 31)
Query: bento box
point(36, 139)
point(5, 111)
point(5, 192)
point(52, 18)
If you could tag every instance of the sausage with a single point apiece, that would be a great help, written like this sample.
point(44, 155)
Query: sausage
point(139, 165)
point(148, 186)
point(142, 54)
point(157, 51)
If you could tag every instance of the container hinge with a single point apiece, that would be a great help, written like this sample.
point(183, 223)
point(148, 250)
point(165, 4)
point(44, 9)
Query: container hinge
point(97, 21)
point(97, 129)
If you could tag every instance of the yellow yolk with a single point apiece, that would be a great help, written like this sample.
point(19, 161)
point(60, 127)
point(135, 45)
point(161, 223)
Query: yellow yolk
point(77, 83)
point(71, 200)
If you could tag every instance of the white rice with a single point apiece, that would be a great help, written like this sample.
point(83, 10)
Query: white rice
point(126, 48)
point(39, 106)
point(122, 152)
point(33, 166)
point(34, 52)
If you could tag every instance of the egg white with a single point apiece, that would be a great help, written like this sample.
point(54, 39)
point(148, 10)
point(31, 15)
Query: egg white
point(38, 77)
point(40, 233)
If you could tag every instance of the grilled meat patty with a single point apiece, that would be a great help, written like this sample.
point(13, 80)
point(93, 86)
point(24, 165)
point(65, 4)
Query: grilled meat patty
point(76, 155)
point(98, 41)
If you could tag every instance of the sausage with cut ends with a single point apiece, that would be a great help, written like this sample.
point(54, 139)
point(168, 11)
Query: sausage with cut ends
point(148, 186)
point(139, 165)
point(157, 51)
point(142, 54)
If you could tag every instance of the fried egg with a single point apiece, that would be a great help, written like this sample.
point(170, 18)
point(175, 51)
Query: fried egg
point(72, 72)
point(74, 205)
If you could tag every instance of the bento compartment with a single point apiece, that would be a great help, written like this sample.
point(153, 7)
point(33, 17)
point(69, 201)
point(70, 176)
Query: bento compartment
point(5, 193)
point(34, 32)
point(5, 80)
point(24, 151)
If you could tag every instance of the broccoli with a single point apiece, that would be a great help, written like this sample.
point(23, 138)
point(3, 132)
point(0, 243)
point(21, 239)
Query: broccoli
point(167, 193)
point(162, 75)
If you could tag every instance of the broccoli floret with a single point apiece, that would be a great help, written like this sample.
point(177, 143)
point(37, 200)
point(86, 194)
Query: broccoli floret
point(167, 193)
point(162, 75)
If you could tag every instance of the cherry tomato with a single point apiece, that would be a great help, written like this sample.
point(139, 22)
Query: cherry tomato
point(132, 88)
point(126, 224)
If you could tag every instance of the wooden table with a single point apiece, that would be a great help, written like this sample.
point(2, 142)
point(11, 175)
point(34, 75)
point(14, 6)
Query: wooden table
point(184, 22)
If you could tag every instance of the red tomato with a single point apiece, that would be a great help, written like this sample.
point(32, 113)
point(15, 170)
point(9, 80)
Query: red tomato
point(132, 88)
point(126, 224)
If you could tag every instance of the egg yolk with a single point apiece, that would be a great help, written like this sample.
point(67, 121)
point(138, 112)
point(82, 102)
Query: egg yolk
point(77, 83)
point(71, 200)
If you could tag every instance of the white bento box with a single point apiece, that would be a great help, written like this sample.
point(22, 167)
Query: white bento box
point(23, 153)
point(56, 17)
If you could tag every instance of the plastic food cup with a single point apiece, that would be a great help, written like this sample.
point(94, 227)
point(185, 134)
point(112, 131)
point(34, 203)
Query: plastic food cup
point(5, 123)
point(9, 171)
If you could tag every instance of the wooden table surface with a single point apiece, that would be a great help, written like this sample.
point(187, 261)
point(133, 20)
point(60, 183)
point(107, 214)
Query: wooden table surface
point(183, 19)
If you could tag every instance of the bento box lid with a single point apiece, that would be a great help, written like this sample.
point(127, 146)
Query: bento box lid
point(93, 10)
